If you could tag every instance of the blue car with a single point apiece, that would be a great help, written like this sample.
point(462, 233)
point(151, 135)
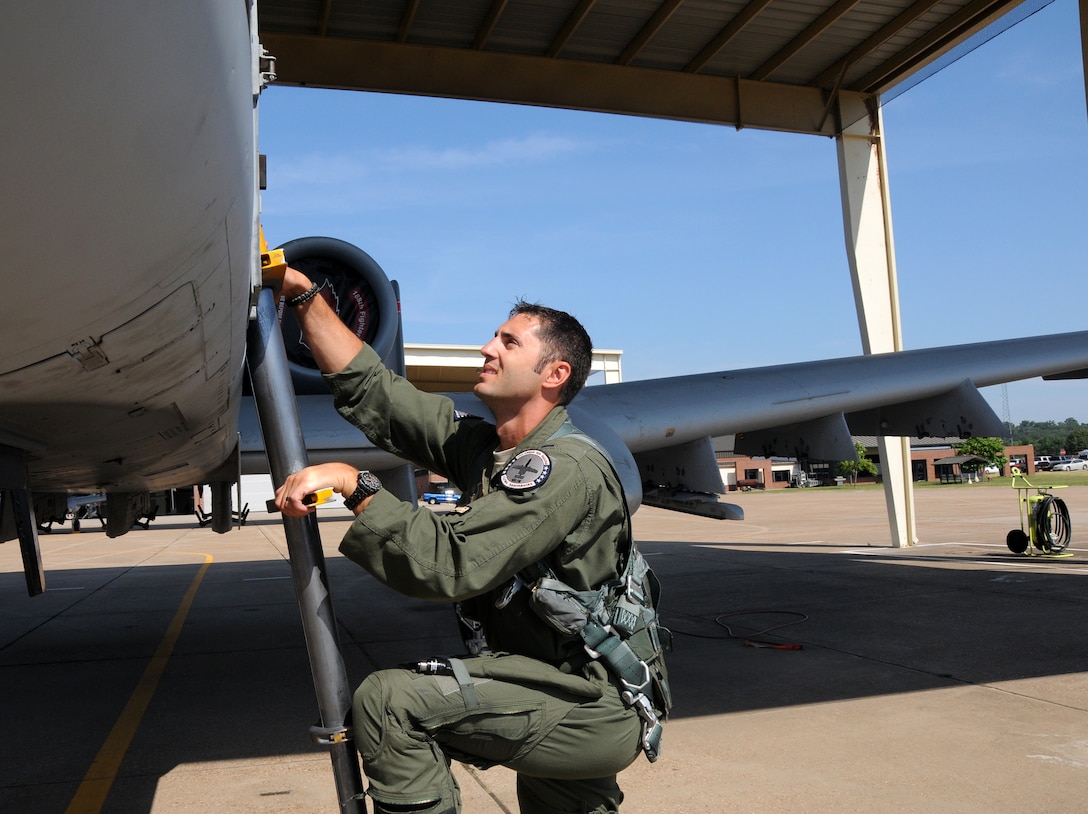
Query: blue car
point(448, 496)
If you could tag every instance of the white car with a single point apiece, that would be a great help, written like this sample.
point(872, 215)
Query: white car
point(1070, 466)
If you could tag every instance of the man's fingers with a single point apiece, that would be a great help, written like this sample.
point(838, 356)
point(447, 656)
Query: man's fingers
point(315, 498)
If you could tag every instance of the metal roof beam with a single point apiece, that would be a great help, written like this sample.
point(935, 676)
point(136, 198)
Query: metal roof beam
point(601, 87)
point(821, 24)
point(570, 26)
point(960, 26)
point(489, 23)
point(874, 41)
point(735, 26)
point(661, 16)
point(406, 20)
point(323, 17)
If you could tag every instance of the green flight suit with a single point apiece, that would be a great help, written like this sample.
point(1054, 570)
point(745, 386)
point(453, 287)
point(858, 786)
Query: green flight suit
point(537, 703)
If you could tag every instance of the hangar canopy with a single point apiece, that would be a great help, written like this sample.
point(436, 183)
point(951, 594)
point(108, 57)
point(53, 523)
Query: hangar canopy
point(805, 66)
point(771, 64)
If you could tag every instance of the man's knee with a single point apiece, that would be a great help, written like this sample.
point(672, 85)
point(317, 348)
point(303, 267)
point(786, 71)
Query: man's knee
point(407, 770)
point(367, 710)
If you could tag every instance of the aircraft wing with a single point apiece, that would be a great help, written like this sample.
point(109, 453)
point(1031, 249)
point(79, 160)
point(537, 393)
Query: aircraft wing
point(810, 410)
point(131, 222)
point(659, 431)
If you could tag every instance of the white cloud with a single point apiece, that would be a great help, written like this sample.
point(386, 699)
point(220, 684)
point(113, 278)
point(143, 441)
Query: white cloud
point(529, 149)
point(321, 169)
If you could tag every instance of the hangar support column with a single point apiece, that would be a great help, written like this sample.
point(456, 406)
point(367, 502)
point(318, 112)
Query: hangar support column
point(866, 208)
point(1084, 41)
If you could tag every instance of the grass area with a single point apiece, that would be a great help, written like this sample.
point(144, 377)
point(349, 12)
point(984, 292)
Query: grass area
point(1038, 479)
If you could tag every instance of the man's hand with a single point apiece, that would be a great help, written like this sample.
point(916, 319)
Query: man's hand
point(342, 478)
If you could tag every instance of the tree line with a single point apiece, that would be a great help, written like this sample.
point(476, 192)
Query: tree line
point(1050, 437)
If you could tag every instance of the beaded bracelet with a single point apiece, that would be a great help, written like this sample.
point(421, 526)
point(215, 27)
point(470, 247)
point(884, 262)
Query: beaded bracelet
point(307, 295)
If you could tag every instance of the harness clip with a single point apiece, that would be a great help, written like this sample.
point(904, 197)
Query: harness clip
point(329, 735)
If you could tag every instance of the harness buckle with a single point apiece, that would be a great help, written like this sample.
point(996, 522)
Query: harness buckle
point(651, 725)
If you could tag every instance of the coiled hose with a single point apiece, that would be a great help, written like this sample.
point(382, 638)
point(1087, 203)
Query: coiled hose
point(1051, 525)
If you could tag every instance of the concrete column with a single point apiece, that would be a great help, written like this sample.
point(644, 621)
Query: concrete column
point(870, 249)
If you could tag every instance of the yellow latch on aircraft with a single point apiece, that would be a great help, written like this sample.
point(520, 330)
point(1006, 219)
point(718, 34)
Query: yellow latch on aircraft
point(273, 264)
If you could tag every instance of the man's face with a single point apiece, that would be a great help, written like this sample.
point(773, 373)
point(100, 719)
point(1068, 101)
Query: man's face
point(507, 375)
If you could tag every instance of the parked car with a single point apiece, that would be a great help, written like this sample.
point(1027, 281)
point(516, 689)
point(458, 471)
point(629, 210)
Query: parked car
point(447, 496)
point(1044, 462)
point(992, 470)
point(1070, 465)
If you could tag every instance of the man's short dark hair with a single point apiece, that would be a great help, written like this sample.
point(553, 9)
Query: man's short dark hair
point(562, 338)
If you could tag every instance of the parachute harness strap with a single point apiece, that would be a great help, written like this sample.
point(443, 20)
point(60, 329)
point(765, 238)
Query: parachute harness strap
point(601, 642)
point(608, 606)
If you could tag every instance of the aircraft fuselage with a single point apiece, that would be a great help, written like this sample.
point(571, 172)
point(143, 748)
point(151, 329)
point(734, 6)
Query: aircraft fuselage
point(129, 211)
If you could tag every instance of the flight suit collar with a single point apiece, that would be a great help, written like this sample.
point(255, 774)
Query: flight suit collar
point(544, 430)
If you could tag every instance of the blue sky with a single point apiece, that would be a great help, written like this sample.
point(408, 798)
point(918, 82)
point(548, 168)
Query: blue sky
point(696, 248)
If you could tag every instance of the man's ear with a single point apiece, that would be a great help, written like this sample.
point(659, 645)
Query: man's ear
point(556, 375)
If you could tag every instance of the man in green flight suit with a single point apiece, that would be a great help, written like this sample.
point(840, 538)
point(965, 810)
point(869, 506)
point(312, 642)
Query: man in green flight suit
point(533, 700)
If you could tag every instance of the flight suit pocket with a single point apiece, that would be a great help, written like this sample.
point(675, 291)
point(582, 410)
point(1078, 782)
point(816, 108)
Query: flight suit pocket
point(524, 670)
point(488, 738)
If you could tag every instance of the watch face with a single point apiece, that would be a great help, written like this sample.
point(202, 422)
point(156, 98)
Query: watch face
point(370, 483)
point(367, 485)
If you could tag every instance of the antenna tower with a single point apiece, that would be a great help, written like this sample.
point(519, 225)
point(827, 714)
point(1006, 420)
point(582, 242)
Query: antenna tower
point(1005, 411)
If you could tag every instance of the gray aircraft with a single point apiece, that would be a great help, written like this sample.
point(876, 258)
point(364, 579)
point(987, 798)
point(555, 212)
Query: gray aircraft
point(132, 260)
point(662, 444)
point(133, 301)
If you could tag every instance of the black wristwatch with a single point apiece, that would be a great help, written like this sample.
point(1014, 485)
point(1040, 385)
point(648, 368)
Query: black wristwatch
point(368, 485)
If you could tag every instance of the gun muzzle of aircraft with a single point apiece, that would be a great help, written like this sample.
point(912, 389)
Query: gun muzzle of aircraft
point(357, 289)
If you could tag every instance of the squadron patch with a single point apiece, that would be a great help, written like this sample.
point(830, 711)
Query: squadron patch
point(526, 470)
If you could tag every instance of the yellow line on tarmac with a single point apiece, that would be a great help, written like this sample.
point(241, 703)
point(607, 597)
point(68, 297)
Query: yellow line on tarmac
point(92, 792)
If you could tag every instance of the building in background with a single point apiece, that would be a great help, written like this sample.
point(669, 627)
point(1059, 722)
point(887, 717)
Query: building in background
point(930, 458)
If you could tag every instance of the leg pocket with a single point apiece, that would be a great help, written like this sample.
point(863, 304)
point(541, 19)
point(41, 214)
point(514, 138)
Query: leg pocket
point(488, 738)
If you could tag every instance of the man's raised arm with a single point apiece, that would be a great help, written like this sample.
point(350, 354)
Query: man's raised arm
point(331, 342)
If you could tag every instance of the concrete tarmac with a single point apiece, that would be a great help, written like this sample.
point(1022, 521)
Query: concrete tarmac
point(165, 671)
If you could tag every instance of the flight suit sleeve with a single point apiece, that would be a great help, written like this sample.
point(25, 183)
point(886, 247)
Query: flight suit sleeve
point(423, 428)
point(460, 555)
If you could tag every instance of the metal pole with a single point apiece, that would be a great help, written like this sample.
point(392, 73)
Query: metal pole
point(274, 397)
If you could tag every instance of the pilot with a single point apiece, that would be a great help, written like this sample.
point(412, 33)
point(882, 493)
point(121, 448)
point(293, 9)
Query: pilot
point(532, 700)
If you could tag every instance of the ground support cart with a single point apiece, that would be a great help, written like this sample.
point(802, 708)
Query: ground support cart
point(1044, 521)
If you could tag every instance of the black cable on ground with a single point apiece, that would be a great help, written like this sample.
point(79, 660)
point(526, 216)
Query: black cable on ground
point(749, 639)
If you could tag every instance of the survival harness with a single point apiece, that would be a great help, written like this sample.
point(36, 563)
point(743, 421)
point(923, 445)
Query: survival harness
point(618, 623)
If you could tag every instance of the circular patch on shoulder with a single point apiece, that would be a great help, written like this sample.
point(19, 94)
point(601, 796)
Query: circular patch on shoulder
point(526, 470)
